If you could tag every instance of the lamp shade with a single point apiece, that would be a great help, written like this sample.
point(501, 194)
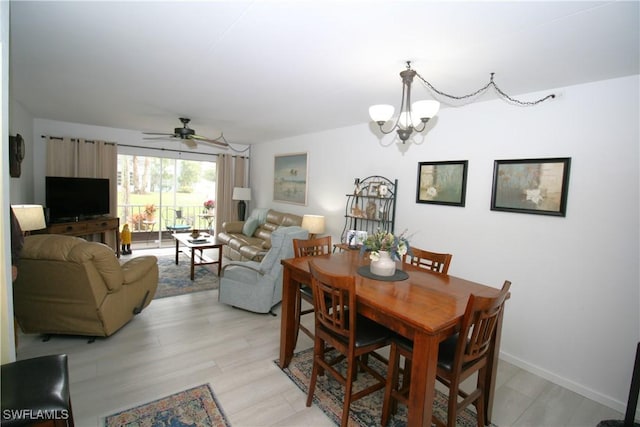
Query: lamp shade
point(381, 112)
point(30, 217)
point(241, 193)
point(314, 224)
point(426, 109)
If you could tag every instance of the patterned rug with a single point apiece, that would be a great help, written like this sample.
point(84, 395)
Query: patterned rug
point(174, 279)
point(194, 407)
point(329, 395)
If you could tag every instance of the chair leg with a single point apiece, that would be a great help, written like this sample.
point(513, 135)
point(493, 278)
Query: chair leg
point(296, 316)
point(482, 416)
point(392, 381)
point(480, 410)
point(318, 348)
point(452, 407)
point(352, 367)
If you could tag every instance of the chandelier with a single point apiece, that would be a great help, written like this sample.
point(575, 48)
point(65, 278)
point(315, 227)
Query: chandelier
point(414, 117)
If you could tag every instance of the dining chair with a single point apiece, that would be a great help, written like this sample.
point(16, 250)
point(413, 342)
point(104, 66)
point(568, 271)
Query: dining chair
point(339, 326)
point(433, 261)
point(459, 356)
point(303, 248)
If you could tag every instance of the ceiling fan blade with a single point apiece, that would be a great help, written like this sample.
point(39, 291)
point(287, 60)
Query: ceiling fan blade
point(216, 141)
point(159, 133)
point(168, 137)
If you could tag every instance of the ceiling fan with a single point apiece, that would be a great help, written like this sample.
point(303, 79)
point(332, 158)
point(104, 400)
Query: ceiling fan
point(188, 136)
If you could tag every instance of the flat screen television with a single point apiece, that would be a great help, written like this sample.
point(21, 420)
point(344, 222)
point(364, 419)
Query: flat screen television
point(71, 199)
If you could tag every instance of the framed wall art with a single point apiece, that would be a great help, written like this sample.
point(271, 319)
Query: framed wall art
point(442, 183)
point(534, 186)
point(16, 155)
point(290, 178)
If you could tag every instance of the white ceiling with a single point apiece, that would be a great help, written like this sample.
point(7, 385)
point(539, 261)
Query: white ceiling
point(263, 70)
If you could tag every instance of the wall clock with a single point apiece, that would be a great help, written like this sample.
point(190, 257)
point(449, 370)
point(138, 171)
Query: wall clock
point(16, 154)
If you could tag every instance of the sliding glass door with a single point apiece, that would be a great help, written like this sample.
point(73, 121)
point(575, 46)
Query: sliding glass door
point(158, 195)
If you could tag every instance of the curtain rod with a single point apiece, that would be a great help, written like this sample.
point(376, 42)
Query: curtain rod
point(145, 148)
point(75, 139)
point(176, 151)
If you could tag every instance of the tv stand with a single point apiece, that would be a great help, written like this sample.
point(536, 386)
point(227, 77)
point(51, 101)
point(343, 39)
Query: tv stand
point(89, 226)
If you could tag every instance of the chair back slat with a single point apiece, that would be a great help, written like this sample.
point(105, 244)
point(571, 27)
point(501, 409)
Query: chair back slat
point(479, 324)
point(433, 261)
point(332, 297)
point(312, 247)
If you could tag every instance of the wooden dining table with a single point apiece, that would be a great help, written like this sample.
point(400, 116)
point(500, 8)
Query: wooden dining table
point(427, 307)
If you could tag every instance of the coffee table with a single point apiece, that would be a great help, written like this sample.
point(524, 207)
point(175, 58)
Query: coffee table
point(196, 246)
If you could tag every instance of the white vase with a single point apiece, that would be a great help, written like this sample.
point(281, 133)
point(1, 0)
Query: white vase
point(384, 266)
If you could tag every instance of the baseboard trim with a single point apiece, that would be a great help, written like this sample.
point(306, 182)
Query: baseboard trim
point(566, 383)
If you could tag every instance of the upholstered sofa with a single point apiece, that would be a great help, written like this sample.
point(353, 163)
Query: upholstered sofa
point(67, 285)
point(251, 239)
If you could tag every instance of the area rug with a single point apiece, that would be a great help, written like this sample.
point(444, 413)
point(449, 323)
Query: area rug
point(194, 407)
point(329, 395)
point(175, 279)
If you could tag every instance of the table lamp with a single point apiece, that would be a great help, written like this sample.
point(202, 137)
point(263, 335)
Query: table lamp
point(241, 194)
point(314, 224)
point(30, 217)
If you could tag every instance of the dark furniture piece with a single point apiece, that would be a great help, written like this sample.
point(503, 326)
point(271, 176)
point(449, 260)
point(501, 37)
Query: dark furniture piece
point(371, 206)
point(88, 227)
point(339, 326)
point(302, 248)
point(433, 261)
point(194, 250)
point(36, 392)
point(427, 308)
point(459, 356)
point(632, 402)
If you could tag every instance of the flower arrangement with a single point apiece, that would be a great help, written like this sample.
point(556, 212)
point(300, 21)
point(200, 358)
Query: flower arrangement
point(397, 246)
point(149, 210)
point(210, 204)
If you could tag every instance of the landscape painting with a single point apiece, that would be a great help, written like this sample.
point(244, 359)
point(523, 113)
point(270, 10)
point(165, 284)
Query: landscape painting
point(290, 178)
point(536, 186)
point(442, 183)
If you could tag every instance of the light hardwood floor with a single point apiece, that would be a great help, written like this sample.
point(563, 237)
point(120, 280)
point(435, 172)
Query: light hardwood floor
point(184, 341)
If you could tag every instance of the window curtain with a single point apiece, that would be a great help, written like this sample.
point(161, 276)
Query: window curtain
point(232, 172)
point(86, 159)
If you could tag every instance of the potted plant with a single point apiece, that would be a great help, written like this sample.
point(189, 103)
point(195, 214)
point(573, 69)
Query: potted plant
point(385, 249)
point(209, 205)
point(150, 212)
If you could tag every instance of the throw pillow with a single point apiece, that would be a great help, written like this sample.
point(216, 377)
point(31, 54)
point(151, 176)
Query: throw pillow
point(249, 227)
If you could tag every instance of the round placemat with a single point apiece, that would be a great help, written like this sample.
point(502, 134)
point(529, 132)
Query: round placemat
point(398, 275)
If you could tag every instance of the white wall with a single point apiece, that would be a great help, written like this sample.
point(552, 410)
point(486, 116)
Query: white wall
point(574, 313)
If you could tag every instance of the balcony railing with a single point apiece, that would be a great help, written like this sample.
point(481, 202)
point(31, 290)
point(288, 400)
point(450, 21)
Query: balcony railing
point(140, 220)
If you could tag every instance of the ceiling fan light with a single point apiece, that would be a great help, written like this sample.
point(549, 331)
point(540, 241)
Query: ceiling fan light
point(425, 109)
point(381, 112)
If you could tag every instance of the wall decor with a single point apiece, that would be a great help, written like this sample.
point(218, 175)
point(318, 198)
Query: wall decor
point(16, 155)
point(535, 186)
point(290, 178)
point(442, 183)
point(373, 189)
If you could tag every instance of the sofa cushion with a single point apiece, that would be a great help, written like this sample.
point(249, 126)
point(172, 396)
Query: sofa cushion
point(250, 226)
point(252, 252)
point(239, 245)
